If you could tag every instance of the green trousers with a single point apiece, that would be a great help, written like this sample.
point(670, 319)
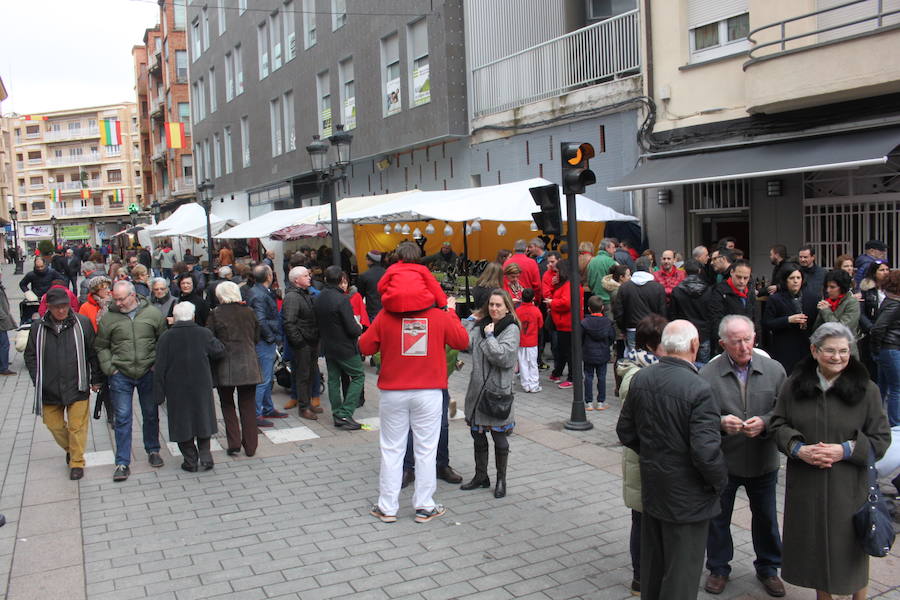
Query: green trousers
point(342, 408)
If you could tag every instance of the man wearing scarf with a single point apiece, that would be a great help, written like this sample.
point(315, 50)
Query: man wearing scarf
point(733, 296)
point(63, 366)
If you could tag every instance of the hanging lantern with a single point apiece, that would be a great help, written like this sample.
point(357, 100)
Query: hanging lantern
point(429, 229)
point(397, 227)
point(533, 226)
point(448, 230)
point(405, 229)
point(387, 229)
point(501, 229)
point(417, 234)
point(468, 229)
point(476, 225)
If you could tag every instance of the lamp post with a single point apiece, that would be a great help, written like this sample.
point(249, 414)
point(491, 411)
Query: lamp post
point(53, 223)
point(13, 214)
point(328, 174)
point(155, 209)
point(204, 188)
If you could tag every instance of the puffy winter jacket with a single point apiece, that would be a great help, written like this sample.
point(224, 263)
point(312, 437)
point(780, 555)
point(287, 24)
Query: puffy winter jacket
point(299, 315)
point(262, 301)
point(637, 298)
point(598, 334)
point(129, 345)
point(886, 330)
point(40, 281)
point(690, 301)
point(59, 366)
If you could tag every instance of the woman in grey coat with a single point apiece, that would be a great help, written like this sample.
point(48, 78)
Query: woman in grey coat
point(494, 343)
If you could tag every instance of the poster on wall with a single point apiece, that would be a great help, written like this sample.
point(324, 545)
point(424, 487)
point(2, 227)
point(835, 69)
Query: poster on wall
point(350, 113)
point(325, 117)
point(38, 231)
point(421, 86)
point(392, 96)
point(75, 232)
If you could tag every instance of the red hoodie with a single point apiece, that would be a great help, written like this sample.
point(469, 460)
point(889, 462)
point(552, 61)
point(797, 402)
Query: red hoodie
point(73, 301)
point(401, 289)
point(532, 321)
point(412, 347)
point(561, 307)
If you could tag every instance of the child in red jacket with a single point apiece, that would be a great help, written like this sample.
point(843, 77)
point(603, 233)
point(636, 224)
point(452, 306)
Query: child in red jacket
point(532, 321)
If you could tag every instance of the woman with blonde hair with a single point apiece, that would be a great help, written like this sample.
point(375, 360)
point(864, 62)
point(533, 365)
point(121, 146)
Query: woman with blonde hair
point(491, 278)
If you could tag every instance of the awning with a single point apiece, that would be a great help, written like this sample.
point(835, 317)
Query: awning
point(845, 151)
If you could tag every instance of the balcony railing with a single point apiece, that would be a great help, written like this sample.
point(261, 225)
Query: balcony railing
point(159, 151)
point(71, 134)
point(831, 26)
point(584, 57)
point(90, 157)
point(156, 105)
point(183, 185)
point(70, 186)
point(35, 161)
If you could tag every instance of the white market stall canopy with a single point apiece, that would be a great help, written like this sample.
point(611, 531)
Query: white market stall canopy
point(189, 220)
point(506, 202)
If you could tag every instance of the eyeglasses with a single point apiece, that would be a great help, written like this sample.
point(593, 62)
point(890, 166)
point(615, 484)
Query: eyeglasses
point(832, 352)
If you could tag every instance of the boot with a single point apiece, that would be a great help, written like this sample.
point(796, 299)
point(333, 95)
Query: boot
point(292, 403)
point(481, 479)
point(501, 455)
point(315, 404)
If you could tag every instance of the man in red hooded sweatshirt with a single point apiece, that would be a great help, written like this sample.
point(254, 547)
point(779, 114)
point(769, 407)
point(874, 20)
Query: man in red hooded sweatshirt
point(411, 332)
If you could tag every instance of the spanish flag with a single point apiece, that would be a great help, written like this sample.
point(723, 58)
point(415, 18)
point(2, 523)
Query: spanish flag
point(110, 132)
point(34, 118)
point(175, 135)
point(85, 194)
point(54, 196)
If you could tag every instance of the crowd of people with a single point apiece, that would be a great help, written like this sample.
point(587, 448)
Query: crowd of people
point(717, 371)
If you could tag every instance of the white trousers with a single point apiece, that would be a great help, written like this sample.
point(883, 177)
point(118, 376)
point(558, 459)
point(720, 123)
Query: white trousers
point(399, 410)
point(528, 368)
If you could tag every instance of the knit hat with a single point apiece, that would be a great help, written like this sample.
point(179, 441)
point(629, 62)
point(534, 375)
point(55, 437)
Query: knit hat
point(374, 256)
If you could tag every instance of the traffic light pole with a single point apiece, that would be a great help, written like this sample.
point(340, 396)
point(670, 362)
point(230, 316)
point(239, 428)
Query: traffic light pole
point(578, 419)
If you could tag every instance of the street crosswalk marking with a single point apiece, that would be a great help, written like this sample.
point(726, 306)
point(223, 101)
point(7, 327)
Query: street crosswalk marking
point(290, 434)
point(99, 458)
point(214, 446)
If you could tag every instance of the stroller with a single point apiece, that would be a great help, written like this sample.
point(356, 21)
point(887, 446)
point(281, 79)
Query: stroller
point(28, 307)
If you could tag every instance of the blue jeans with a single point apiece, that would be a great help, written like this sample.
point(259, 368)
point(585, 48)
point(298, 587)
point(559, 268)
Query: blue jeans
point(121, 390)
point(889, 382)
point(764, 526)
point(600, 371)
point(265, 352)
point(4, 350)
point(443, 449)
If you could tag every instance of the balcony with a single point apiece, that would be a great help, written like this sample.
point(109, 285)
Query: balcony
point(156, 106)
point(823, 56)
point(32, 162)
point(155, 63)
point(90, 157)
point(159, 151)
point(183, 185)
point(585, 57)
point(62, 135)
point(72, 186)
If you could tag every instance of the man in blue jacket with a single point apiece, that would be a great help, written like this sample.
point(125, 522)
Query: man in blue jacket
point(261, 299)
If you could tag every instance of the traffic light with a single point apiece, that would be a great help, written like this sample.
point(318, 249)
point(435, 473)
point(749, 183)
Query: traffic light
point(575, 173)
point(549, 219)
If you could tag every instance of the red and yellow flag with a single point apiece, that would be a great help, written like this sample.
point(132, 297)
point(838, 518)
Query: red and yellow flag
point(34, 118)
point(175, 135)
point(85, 194)
point(110, 132)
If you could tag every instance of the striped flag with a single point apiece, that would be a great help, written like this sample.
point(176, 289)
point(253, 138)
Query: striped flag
point(54, 196)
point(110, 132)
point(85, 194)
point(118, 196)
point(175, 135)
point(34, 118)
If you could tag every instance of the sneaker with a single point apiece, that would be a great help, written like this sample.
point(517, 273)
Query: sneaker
point(155, 460)
point(121, 473)
point(423, 515)
point(635, 587)
point(543, 366)
point(260, 422)
point(555, 378)
point(587, 406)
point(275, 414)
point(378, 513)
point(537, 389)
point(602, 406)
point(565, 385)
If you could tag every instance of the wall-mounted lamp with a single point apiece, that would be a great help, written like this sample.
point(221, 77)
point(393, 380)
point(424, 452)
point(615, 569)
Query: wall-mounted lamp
point(664, 197)
point(773, 188)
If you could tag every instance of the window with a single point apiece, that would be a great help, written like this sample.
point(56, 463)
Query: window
point(198, 152)
point(114, 176)
point(338, 14)
point(245, 142)
point(229, 163)
point(390, 61)
point(221, 17)
point(598, 10)
point(195, 39)
point(309, 23)
point(187, 166)
point(290, 135)
point(217, 156)
point(205, 14)
point(74, 127)
point(195, 96)
point(180, 14)
point(717, 28)
point(212, 89)
point(206, 159)
point(290, 31)
point(238, 71)
point(348, 94)
point(36, 181)
point(242, 6)
point(184, 116)
point(201, 100)
point(419, 80)
point(276, 132)
point(76, 153)
point(323, 93)
point(262, 45)
point(229, 76)
point(181, 66)
point(275, 35)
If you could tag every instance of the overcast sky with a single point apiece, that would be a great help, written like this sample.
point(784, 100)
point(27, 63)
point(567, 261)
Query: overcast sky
point(61, 54)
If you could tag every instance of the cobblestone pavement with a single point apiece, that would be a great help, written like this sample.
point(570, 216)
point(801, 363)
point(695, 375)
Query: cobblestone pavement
point(292, 522)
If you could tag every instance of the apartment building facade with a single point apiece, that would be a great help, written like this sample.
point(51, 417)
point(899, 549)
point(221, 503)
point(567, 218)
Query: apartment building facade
point(163, 98)
point(75, 173)
point(775, 122)
point(6, 174)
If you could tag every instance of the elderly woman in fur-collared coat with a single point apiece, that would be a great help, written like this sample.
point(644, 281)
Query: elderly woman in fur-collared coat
point(827, 416)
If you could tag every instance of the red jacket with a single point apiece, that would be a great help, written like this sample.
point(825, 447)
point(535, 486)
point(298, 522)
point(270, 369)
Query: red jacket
point(73, 301)
point(669, 280)
point(547, 284)
point(561, 307)
point(359, 309)
point(400, 288)
point(532, 321)
point(531, 275)
point(412, 347)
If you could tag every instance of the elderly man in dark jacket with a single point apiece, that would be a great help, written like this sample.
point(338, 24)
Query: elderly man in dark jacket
point(671, 420)
point(63, 366)
point(302, 331)
point(339, 332)
point(745, 386)
point(261, 299)
point(690, 301)
point(40, 279)
point(637, 298)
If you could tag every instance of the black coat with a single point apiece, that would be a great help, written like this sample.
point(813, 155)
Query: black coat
point(723, 301)
point(73, 266)
point(690, 301)
point(634, 302)
point(789, 343)
point(338, 328)
point(235, 325)
point(182, 377)
point(60, 264)
point(59, 367)
point(885, 332)
point(598, 334)
point(671, 420)
point(201, 308)
point(814, 277)
point(367, 285)
point(299, 315)
point(262, 301)
point(40, 281)
point(144, 258)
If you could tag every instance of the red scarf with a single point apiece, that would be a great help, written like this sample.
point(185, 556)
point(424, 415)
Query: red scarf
point(835, 303)
point(737, 292)
point(597, 314)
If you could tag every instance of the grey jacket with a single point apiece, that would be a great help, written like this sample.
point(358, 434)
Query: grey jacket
point(747, 457)
point(6, 320)
point(493, 359)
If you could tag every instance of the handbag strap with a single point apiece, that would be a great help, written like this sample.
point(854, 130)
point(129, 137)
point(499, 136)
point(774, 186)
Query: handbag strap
point(872, 473)
point(483, 384)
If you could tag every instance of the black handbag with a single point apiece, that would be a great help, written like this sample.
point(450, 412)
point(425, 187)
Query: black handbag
point(492, 404)
point(872, 521)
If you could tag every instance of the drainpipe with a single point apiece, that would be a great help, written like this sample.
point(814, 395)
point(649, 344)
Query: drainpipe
point(648, 86)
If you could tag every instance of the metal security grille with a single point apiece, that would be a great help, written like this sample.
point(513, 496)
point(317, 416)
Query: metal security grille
point(718, 196)
point(843, 225)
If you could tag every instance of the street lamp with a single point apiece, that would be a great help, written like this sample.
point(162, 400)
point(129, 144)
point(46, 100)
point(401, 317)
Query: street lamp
point(53, 222)
point(155, 209)
point(328, 174)
point(204, 188)
point(13, 214)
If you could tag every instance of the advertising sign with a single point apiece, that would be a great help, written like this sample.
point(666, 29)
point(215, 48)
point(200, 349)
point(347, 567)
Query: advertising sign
point(421, 86)
point(38, 231)
point(75, 232)
point(392, 96)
